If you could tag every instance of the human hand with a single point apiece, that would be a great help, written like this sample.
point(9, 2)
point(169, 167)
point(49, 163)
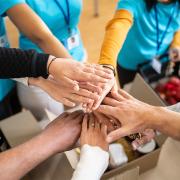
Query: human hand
point(111, 123)
point(65, 95)
point(64, 131)
point(69, 72)
point(146, 136)
point(174, 54)
point(94, 133)
point(105, 89)
point(134, 115)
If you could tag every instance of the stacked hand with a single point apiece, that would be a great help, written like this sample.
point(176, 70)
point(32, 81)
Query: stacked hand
point(131, 113)
point(94, 133)
point(72, 82)
point(64, 131)
point(106, 88)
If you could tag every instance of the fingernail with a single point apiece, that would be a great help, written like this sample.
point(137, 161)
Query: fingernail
point(76, 88)
point(134, 145)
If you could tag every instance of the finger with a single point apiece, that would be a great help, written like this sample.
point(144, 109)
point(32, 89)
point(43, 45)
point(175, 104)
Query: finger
point(87, 94)
point(85, 123)
point(117, 96)
point(89, 107)
point(108, 110)
point(119, 133)
point(75, 114)
point(104, 129)
point(91, 87)
point(104, 120)
point(79, 118)
point(111, 102)
point(91, 122)
point(97, 125)
point(70, 83)
point(67, 102)
point(64, 115)
point(79, 99)
point(102, 72)
point(139, 142)
point(93, 78)
point(125, 94)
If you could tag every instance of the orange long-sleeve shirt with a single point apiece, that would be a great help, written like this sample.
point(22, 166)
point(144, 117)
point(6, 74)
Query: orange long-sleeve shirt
point(116, 32)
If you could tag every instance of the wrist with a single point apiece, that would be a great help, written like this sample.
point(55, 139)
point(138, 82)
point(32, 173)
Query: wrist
point(109, 66)
point(50, 66)
point(155, 117)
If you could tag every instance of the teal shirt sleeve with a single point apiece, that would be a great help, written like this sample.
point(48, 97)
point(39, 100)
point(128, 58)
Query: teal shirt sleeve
point(129, 5)
point(7, 4)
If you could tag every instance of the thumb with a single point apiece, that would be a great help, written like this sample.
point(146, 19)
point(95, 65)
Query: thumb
point(107, 110)
point(117, 134)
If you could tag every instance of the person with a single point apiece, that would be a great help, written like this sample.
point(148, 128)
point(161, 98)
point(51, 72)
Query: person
point(40, 35)
point(43, 39)
point(16, 63)
point(55, 138)
point(139, 31)
point(136, 116)
point(94, 150)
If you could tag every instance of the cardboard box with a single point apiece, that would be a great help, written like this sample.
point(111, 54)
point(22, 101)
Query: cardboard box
point(19, 128)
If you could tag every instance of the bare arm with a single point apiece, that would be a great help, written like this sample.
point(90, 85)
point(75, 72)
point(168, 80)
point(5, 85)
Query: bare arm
point(136, 116)
point(17, 162)
point(29, 23)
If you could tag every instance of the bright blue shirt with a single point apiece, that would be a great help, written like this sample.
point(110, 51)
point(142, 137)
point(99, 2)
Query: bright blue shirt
point(5, 85)
point(52, 15)
point(141, 42)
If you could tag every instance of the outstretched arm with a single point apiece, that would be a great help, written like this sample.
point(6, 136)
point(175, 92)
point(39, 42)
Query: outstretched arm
point(59, 136)
point(136, 116)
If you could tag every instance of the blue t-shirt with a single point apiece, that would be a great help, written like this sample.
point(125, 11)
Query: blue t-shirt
point(141, 42)
point(5, 85)
point(52, 15)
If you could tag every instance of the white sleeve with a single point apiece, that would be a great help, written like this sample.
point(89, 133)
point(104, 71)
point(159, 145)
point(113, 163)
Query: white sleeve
point(93, 162)
point(175, 107)
point(22, 80)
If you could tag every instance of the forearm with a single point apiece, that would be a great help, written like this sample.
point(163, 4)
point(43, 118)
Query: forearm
point(36, 30)
point(115, 36)
point(51, 45)
point(16, 63)
point(17, 162)
point(166, 121)
point(176, 40)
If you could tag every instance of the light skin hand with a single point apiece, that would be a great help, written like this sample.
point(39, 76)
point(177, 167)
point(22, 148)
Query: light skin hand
point(106, 88)
point(65, 95)
point(174, 54)
point(129, 111)
point(69, 72)
point(93, 133)
point(147, 136)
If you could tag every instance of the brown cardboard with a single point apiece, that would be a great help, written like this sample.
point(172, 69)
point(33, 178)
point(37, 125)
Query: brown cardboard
point(19, 128)
point(143, 92)
point(131, 174)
